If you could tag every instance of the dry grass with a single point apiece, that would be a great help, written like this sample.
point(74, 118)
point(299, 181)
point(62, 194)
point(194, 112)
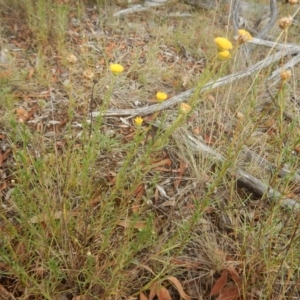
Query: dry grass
point(126, 210)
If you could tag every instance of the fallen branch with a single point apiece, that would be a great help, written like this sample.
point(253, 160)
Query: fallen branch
point(247, 180)
point(139, 7)
point(251, 156)
point(291, 47)
point(272, 20)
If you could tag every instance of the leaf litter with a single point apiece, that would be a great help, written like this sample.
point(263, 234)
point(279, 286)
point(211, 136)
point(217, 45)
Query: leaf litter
point(36, 107)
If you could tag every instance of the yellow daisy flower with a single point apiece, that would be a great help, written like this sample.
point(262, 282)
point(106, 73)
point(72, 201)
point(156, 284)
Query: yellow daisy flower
point(161, 96)
point(223, 44)
point(223, 55)
point(244, 36)
point(138, 121)
point(116, 68)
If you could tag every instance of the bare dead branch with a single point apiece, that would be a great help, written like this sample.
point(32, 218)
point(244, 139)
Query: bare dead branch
point(140, 7)
point(250, 155)
point(272, 21)
point(250, 182)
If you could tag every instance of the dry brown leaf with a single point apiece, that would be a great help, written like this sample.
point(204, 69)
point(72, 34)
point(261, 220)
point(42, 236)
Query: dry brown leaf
point(297, 149)
point(30, 73)
point(139, 192)
point(143, 296)
point(94, 201)
point(130, 224)
point(219, 284)
point(24, 115)
point(80, 297)
point(234, 275)
point(169, 203)
point(229, 294)
point(21, 112)
point(43, 94)
point(179, 287)
point(160, 163)
point(152, 291)
point(163, 294)
point(183, 166)
point(5, 74)
point(5, 155)
point(209, 139)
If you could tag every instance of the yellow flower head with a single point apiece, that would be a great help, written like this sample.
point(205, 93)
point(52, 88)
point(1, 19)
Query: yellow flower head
point(184, 108)
point(138, 121)
point(244, 36)
point(116, 68)
point(223, 44)
point(224, 55)
point(161, 96)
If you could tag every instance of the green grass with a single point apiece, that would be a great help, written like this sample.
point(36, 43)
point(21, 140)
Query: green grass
point(103, 215)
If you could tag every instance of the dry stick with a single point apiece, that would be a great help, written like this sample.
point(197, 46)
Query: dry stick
point(250, 155)
point(292, 62)
point(264, 31)
point(210, 85)
point(91, 107)
point(138, 7)
point(247, 180)
point(287, 46)
point(272, 21)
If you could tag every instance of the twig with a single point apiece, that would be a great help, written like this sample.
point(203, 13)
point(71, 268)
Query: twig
point(266, 29)
point(292, 62)
point(139, 7)
point(272, 21)
point(131, 10)
point(250, 155)
point(291, 47)
point(235, 15)
point(91, 107)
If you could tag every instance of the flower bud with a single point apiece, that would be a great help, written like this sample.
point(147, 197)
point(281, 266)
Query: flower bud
point(285, 22)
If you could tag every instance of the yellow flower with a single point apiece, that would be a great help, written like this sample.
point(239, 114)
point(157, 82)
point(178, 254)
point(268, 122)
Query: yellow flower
point(138, 121)
point(244, 36)
point(184, 108)
point(224, 55)
point(223, 44)
point(161, 96)
point(116, 68)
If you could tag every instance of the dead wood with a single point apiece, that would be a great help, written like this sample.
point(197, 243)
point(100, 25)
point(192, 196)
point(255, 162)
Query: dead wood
point(250, 182)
